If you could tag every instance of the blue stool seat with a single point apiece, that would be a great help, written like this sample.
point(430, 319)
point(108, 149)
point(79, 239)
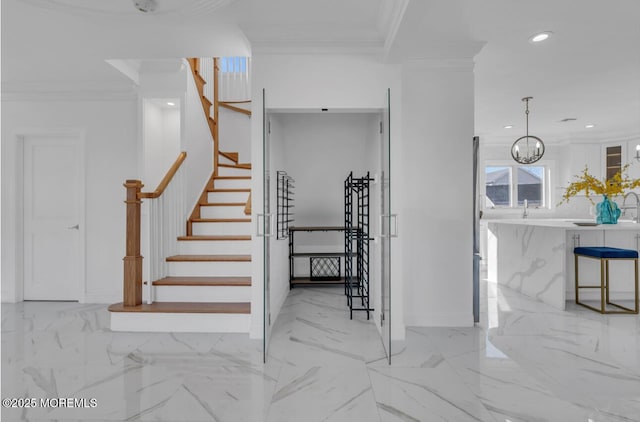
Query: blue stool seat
point(605, 252)
point(605, 255)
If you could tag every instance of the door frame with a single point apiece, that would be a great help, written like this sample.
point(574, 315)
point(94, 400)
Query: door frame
point(16, 196)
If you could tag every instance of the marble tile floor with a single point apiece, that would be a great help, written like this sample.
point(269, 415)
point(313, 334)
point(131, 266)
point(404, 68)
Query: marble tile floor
point(525, 362)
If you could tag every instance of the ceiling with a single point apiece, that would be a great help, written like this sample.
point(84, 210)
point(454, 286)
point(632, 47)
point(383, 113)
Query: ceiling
point(589, 70)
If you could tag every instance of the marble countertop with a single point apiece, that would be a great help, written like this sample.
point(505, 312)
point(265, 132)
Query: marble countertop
point(568, 224)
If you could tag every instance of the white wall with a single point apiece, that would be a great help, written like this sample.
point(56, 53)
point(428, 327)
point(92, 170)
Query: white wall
point(197, 141)
point(110, 132)
point(436, 216)
point(161, 137)
point(234, 130)
point(321, 150)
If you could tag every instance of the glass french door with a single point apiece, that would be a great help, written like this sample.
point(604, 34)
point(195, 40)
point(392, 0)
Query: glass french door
point(386, 229)
point(267, 229)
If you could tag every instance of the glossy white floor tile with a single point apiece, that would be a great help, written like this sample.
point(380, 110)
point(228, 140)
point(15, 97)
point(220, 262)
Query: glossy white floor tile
point(524, 362)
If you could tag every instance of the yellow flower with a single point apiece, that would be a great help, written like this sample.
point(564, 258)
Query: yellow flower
point(615, 186)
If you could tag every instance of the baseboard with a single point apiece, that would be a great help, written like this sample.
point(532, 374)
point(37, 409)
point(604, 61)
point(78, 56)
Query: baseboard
point(256, 331)
point(440, 320)
point(8, 297)
point(179, 323)
point(101, 298)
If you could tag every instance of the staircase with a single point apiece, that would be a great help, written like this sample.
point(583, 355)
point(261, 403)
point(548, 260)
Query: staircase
point(211, 274)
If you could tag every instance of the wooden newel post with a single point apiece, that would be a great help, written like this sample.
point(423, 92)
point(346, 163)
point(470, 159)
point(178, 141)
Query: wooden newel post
point(133, 259)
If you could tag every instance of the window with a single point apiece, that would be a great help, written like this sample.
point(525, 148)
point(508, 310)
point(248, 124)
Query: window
point(233, 64)
point(510, 186)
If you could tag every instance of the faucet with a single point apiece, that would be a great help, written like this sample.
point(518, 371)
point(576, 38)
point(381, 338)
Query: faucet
point(637, 206)
point(525, 213)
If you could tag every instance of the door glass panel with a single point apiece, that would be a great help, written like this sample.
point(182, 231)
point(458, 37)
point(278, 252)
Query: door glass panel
point(266, 211)
point(386, 217)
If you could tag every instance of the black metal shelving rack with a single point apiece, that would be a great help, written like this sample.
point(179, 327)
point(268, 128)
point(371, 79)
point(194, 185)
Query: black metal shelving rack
point(356, 243)
point(285, 214)
point(299, 280)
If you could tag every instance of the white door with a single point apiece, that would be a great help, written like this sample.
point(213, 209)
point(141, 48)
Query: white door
point(53, 188)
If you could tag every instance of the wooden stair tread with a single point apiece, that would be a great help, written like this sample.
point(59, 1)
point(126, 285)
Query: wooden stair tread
point(187, 307)
point(223, 204)
point(209, 258)
point(243, 166)
point(203, 281)
point(221, 220)
point(224, 190)
point(219, 237)
point(232, 177)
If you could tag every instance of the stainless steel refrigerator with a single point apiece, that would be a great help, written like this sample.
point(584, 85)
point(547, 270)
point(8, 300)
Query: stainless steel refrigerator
point(476, 232)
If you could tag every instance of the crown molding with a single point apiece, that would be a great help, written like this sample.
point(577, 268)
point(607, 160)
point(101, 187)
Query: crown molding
point(326, 47)
point(67, 92)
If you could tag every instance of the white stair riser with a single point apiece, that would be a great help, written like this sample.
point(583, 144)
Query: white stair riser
point(180, 322)
point(222, 228)
point(233, 171)
point(222, 211)
point(232, 183)
point(213, 269)
point(227, 196)
point(202, 293)
point(214, 247)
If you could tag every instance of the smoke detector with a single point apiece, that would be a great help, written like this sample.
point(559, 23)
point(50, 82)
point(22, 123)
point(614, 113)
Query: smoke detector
point(145, 6)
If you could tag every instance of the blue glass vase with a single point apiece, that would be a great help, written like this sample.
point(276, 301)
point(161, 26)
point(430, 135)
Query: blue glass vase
point(607, 211)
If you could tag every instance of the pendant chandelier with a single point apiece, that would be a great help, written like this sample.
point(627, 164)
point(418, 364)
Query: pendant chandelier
point(527, 149)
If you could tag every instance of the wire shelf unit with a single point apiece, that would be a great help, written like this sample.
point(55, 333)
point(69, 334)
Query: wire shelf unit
point(356, 243)
point(285, 214)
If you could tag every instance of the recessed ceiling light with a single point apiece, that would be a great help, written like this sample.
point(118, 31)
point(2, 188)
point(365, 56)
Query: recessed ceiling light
point(590, 126)
point(508, 126)
point(170, 104)
point(542, 36)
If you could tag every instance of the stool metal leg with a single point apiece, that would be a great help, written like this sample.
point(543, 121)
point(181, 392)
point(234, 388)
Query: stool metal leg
point(603, 275)
point(576, 279)
point(624, 309)
point(606, 281)
point(636, 265)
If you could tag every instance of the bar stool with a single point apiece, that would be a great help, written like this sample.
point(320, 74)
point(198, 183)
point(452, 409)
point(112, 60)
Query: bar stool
point(606, 254)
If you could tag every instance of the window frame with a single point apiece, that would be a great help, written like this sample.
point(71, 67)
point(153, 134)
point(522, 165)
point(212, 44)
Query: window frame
point(547, 194)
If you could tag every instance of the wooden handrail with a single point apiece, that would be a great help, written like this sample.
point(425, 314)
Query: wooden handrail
point(236, 102)
point(166, 179)
point(216, 96)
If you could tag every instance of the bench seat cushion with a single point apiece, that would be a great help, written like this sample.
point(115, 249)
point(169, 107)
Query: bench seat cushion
point(605, 252)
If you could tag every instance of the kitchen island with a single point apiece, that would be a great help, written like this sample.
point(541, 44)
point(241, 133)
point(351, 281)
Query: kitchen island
point(535, 257)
